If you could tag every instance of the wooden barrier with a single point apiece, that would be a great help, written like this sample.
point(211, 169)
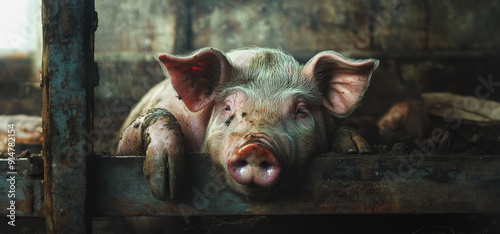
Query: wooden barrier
point(332, 184)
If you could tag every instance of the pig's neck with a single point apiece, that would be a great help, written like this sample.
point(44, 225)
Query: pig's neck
point(193, 125)
point(194, 128)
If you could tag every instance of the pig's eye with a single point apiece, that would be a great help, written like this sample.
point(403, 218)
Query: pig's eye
point(302, 110)
point(227, 106)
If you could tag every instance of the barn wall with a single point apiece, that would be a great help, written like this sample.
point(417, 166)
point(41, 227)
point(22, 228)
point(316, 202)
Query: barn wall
point(424, 46)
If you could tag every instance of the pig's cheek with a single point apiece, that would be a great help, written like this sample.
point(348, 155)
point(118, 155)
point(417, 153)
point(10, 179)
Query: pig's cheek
point(306, 122)
point(215, 146)
point(288, 146)
point(229, 145)
point(304, 136)
point(228, 149)
point(217, 142)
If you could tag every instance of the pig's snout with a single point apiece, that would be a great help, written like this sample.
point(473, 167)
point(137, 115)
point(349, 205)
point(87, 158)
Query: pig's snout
point(254, 163)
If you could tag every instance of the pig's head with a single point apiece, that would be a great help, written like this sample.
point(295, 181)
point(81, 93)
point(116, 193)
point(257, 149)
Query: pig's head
point(269, 113)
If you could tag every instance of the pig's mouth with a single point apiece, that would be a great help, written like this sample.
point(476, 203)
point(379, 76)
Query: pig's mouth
point(255, 166)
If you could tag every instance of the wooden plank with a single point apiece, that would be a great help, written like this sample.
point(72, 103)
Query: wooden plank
point(366, 184)
point(28, 192)
point(67, 88)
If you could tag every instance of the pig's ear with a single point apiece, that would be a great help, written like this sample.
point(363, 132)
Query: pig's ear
point(195, 77)
point(342, 81)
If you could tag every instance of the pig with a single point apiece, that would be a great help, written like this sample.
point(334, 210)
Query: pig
point(257, 112)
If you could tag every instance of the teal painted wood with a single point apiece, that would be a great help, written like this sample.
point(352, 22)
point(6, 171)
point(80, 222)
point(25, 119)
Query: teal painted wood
point(28, 192)
point(67, 84)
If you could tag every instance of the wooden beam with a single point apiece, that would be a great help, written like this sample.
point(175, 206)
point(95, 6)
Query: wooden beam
point(67, 87)
point(28, 190)
point(366, 184)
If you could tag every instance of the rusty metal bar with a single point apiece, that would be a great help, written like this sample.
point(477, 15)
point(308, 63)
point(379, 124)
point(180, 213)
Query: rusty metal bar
point(67, 87)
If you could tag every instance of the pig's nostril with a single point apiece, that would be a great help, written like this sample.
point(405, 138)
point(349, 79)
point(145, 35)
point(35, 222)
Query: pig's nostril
point(239, 164)
point(266, 165)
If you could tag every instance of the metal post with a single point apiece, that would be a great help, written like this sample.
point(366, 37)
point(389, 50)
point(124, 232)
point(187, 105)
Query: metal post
point(67, 86)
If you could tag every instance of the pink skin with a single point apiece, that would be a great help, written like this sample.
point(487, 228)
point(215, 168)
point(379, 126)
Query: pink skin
point(258, 142)
point(254, 163)
point(163, 137)
point(256, 151)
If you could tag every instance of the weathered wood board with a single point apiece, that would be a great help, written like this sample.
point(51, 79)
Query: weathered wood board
point(361, 184)
point(365, 184)
point(27, 191)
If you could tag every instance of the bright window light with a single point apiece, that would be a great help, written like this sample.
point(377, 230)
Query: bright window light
point(20, 30)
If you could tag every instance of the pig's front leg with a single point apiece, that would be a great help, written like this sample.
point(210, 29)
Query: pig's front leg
point(157, 135)
point(349, 141)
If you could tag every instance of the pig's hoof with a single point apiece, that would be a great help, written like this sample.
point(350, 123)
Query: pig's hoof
point(155, 169)
point(164, 163)
point(349, 141)
point(158, 186)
